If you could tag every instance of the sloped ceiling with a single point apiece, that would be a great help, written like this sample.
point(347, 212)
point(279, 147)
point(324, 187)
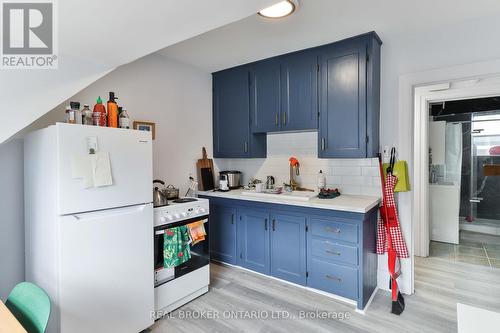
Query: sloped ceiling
point(97, 36)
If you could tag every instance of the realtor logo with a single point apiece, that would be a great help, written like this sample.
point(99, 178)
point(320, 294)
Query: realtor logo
point(28, 32)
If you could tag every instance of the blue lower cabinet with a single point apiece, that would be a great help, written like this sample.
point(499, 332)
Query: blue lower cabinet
point(328, 250)
point(288, 247)
point(337, 279)
point(334, 252)
point(334, 229)
point(223, 233)
point(253, 236)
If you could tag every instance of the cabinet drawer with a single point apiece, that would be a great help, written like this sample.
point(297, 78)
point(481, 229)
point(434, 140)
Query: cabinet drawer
point(331, 251)
point(336, 279)
point(334, 230)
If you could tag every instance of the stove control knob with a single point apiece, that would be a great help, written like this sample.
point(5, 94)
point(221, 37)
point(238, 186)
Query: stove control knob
point(203, 210)
point(163, 219)
point(170, 217)
point(177, 216)
point(197, 211)
point(184, 214)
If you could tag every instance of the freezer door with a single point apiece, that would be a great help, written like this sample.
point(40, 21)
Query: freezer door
point(107, 275)
point(131, 160)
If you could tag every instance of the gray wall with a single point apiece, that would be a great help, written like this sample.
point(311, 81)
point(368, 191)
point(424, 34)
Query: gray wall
point(11, 216)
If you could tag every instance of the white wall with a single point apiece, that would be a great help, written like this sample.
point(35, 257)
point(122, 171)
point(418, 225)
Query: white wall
point(350, 176)
point(12, 216)
point(177, 97)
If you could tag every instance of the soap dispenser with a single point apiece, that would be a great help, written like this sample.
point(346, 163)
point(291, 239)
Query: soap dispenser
point(321, 180)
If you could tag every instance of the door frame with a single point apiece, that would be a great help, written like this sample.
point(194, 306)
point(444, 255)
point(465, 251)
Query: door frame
point(416, 90)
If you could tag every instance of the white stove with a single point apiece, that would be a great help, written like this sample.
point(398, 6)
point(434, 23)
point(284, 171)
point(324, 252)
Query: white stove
point(179, 211)
point(175, 286)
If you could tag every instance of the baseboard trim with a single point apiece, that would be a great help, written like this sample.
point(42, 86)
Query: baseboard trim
point(368, 303)
point(317, 291)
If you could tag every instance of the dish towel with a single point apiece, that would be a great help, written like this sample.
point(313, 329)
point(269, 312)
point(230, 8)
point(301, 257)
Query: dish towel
point(197, 231)
point(176, 250)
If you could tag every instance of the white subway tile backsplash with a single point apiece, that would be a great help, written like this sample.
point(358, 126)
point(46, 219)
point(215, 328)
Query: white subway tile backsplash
point(357, 180)
point(349, 189)
point(371, 190)
point(351, 162)
point(346, 171)
point(350, 176)
point(334, 179)
point(370, 171)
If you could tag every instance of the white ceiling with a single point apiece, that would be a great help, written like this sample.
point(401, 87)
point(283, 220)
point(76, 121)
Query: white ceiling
point(97, 36)
point(318, 22)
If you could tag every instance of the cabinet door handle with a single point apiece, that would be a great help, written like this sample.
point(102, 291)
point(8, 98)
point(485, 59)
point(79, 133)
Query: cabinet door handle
point(335, 230)
point(333, 252)
point(265, 224)
point(331, 277)
point(274, 225)
point(323, 144)
point(284, 118)
point(232, 218)
point(246, 147)
point(276, 119)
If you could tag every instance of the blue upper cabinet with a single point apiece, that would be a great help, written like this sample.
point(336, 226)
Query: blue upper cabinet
point(231, 116)
point(299, 91)
point(288, 247)
point(334, 89)
point(265, 101)
point(223, 233)
point(284, 93)
point(253, 239)
point(349, 98)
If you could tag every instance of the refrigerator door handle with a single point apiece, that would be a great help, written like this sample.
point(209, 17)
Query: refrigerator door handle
point(109, 212)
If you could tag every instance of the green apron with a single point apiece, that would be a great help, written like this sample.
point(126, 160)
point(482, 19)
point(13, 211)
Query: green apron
point(176, 248)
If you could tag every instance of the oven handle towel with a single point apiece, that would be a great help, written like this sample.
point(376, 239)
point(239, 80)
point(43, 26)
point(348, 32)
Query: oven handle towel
point(176, 249)
point(197, 232)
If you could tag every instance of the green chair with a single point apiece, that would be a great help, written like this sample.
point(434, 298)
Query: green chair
point(30, 305)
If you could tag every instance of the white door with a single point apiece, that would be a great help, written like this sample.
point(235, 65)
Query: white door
point(131, 160)
point(107, 270)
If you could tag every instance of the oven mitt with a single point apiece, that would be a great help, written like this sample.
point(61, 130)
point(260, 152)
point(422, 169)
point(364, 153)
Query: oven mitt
point(176, 250)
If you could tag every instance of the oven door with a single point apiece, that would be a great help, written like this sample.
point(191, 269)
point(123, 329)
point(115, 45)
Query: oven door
point(200, 255)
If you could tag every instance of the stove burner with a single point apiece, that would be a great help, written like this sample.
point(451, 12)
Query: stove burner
point(184, 200)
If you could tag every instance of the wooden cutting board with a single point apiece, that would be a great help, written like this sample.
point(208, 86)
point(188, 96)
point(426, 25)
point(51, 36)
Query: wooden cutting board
point(205, 170)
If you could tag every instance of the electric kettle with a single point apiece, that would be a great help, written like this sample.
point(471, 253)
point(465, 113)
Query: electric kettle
point(159, 198)
point(270, 182)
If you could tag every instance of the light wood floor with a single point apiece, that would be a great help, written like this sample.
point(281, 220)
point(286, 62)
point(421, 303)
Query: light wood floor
point(439, 285)
point(474, 248)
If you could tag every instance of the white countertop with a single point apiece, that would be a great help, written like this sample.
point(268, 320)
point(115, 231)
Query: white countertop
point(346, 203)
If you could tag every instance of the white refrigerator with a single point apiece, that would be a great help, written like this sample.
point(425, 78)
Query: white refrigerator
point(89, 226)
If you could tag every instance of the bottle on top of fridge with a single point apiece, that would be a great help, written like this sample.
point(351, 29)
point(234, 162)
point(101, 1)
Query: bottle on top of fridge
point(70, 115)
point(99, 114)
point(124, 119)
point(87, 115)
point(112, 110)
point(75, 106)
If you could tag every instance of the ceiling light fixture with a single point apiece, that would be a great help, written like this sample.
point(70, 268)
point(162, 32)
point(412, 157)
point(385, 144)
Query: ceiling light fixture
point(279, 10)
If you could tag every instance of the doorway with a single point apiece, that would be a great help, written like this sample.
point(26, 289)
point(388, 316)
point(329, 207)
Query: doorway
point(464, 180)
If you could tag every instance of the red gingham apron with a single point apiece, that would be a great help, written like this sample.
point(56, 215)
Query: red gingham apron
point(398, 242)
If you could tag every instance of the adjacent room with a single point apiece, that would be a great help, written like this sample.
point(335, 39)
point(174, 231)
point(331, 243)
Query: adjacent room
point(464, 155)
point(249, 166)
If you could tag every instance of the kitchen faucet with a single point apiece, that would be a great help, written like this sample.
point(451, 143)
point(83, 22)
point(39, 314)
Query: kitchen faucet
point(294, 168)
